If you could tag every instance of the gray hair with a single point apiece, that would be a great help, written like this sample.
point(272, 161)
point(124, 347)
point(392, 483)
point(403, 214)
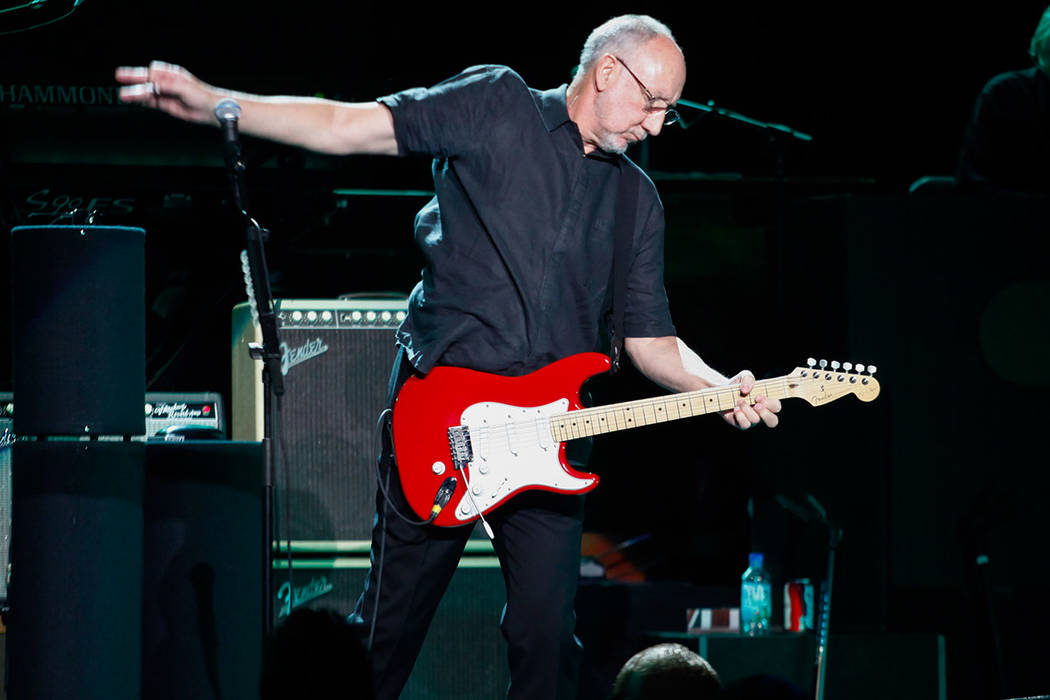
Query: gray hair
point(1039, 49)
point(618, 35)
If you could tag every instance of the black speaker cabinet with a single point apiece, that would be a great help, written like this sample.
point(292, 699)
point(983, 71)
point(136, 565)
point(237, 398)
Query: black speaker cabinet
point(464, 655)
point(202, 603)
point(336, 361)
point(76, 569)
point(162, 410)
point(78, 325)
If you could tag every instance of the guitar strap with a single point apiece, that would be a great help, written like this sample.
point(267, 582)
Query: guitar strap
point(626, 210)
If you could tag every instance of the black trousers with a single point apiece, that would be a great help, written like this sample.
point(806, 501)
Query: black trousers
point(537, 540)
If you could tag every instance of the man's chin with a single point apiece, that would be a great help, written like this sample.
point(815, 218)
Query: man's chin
point(615, 145)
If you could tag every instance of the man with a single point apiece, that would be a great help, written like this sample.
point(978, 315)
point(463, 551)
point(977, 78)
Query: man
point(1007, 141)
point(519, 246)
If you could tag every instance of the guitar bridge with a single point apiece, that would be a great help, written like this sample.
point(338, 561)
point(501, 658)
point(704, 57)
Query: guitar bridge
point(459, 445)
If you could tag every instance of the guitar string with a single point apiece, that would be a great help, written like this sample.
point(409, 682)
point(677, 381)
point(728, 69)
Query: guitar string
point(520, 434)
point(545, 425)
point(544, 430)
point(650, 409)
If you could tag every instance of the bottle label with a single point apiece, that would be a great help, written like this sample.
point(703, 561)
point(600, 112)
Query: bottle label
point(755, 603)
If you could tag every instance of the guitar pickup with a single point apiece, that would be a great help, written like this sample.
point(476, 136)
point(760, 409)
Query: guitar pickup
point(459, 445)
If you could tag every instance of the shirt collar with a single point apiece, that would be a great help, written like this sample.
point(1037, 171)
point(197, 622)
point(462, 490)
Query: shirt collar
point(553, 108)
point(556, 113)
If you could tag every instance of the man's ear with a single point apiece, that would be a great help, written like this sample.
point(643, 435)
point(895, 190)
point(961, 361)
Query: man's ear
point(604, 72)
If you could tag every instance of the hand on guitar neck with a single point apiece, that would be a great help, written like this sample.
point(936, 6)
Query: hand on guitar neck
point(672, 364)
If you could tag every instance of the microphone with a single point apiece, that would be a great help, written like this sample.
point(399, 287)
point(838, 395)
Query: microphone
point(228, 112)
point(227, 109)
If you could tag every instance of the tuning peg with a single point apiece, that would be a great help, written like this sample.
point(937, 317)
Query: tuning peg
point(835, 365)
point(871, 369)
point(811, 362)
point(823, 364)
point(847, 366)
point(860, 368)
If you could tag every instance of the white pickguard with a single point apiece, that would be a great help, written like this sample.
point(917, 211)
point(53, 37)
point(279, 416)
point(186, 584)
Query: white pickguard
point(513, 448)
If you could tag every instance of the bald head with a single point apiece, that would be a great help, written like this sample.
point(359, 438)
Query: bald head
point(622, 35)
point(631, 71)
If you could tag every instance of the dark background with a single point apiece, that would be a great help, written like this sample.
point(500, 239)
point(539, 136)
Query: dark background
point(946, 293)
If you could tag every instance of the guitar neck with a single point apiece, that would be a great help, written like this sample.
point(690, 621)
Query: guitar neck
point(635, 414)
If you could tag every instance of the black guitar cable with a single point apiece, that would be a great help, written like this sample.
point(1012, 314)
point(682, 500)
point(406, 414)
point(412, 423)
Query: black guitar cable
point(441, 499)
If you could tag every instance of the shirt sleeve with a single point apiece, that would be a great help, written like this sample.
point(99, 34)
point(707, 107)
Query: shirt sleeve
point(454, 116)
point(647, 313)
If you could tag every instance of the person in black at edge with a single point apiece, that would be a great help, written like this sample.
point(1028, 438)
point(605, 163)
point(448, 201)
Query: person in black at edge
point(519, 246)
point(1007, 142)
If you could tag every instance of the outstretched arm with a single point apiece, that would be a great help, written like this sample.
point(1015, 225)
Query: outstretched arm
point(672, 364)
point(325, 126)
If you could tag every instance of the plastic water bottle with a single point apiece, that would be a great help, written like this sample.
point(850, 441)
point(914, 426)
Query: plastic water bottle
point(756, 597)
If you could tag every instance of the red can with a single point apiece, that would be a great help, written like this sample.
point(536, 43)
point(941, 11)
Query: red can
point(798, 606)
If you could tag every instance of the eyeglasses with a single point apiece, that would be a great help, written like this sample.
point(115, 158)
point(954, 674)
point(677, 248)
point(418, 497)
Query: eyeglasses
point(671, 114)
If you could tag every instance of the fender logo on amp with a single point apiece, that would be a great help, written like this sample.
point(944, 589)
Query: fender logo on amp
point(291, 598)
point(290, 357)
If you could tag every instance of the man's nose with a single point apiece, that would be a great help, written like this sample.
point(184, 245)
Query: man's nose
point(654, 122)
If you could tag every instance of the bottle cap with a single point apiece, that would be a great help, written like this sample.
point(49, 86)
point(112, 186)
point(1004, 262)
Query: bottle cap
point(754, 560)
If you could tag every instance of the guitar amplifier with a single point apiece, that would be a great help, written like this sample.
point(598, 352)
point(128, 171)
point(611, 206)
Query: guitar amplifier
point(465, 626)
point(167, 410)
point(162, 410)
point(336, 357)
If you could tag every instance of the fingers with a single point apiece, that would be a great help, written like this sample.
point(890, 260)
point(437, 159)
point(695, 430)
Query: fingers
point(166, 76)
point(140, 92)
point(145, 84)
point(767, 409)
point(745, 414)
point(746, 380)
point(741, 419)
point(132, 74)
point(169, 88)
point(136, 85)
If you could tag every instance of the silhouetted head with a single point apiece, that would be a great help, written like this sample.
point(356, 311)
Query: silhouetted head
point(666, 672)
point(315, 654)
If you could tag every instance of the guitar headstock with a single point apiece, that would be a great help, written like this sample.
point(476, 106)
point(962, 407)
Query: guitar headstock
point(822, 384)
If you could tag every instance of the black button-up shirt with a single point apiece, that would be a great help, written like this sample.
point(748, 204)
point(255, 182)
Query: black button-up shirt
point(1007, 143)
point(519, 239)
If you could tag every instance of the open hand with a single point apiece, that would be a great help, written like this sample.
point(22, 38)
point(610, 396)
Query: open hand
point(169, 88)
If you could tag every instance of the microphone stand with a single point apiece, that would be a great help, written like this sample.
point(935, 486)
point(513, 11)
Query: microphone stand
point(821, 670)
point(257, 277)
point(779, 136)
point(824, 623)
point(775, 130)
point(817, 513)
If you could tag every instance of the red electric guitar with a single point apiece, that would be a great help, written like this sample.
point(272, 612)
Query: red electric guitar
point(467, 441)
